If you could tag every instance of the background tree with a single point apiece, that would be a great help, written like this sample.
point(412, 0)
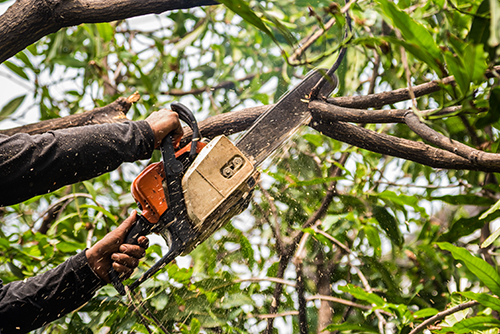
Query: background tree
point(376, 218)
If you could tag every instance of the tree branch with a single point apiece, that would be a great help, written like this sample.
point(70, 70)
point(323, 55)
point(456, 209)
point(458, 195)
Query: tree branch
point(112, 113)
point(442, 315)
point(476, 157)
point(354, 115)
point(394, 146)
point(26, 21)
point(266, 279)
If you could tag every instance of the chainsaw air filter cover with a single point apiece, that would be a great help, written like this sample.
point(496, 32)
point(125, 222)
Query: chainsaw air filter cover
point(217, 186)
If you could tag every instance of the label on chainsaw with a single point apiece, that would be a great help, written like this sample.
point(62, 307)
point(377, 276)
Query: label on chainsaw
point(281, 121)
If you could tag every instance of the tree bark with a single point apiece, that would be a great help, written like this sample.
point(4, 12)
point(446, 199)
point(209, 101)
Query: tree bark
point(112, 113)
point(26, 21)
point(322, 121)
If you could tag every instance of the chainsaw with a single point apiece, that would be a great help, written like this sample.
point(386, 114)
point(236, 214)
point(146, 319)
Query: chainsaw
point(195, 191)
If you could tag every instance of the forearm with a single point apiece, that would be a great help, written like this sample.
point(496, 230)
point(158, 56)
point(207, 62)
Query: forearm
point(34, 165)
point(26, 305)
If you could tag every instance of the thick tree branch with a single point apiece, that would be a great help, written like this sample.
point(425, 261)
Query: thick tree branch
point(26, 21)
point(477, 157)
point(394, 146)
point(112, 113)
point(365, 116)
point(324, 120)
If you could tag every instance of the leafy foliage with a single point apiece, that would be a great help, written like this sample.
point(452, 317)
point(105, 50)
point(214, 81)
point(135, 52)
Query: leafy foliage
point(390, 247)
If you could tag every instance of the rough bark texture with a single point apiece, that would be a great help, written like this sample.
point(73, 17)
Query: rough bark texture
point(323, 121)
point(112, 113)
point(26, 21)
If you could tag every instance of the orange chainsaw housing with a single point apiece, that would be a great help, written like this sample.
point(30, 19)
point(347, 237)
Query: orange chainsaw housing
point(148, 189)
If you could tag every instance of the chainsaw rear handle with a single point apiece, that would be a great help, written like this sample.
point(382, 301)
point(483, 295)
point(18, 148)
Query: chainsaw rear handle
point(142, 227)
point(173, 168)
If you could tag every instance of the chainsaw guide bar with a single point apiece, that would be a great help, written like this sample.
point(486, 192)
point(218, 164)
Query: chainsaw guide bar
point(281, 121)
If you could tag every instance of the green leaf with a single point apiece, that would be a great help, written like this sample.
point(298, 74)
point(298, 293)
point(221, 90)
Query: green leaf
point(106, 31)
point(374, 239)
point(456, 68)
point(424, 313)
point(101, 209)
point(479, 31)
point(471, 324)
point(486, 273)
point(90, 188)
point(401, 199)
point(15, 270)
point(419, 53)
point(485, 299)
point(16, 69)
point(493, 114)
point(491, 238)
point(350, 327)
point(181, 275)
point(361, 294)
point(474, 61)
point(241, 8)
point(11, 106)
point(314, 139)
point(465, 200)
point(246, 249)
point(491, 210)
point(195, 326)
point(69, 247)
point(320, 180)
point(190, 38)
point(465, 226)
point(389, 224)
point(413, 32)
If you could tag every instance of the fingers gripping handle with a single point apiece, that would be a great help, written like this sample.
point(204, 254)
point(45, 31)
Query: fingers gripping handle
point(141, 228)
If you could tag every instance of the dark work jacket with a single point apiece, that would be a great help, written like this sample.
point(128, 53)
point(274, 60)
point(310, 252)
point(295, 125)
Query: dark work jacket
point(34, 165)
point(34, 302)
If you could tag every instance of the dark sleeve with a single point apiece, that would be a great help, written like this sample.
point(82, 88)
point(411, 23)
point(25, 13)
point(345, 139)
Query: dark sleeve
point(32, 165)
point(34, 302)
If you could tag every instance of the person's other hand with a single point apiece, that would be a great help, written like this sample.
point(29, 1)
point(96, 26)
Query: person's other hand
point(163, 122)
point(111, 250)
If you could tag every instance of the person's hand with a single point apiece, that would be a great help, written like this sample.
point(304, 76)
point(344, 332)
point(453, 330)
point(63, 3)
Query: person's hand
point(111, 250)
point(163, 122)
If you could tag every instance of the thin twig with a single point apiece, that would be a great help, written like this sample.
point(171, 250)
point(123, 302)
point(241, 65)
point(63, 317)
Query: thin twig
point(442, 315)
point(310, 40)
point(301, 290)
point(368, 288)
point(404, 60)
point(277, 315)
point(266, 279)
point(329, 74)
point(333, 239)
point(373, 79)
point(343, 302)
